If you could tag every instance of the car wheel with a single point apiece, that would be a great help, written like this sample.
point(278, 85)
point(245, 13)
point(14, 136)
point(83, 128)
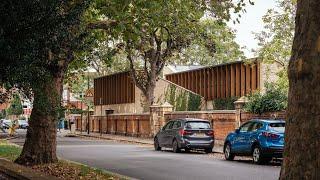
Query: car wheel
point(187, 150)
point(156, 145)
point(175, 146)
point(209, 150)
point(227, 152)
point(257, 156)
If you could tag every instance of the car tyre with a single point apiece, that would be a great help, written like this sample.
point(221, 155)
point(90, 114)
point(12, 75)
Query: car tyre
point(175, 146)
point(157, 147)
point(208, 150)
point(257, 155)
point(227, 152)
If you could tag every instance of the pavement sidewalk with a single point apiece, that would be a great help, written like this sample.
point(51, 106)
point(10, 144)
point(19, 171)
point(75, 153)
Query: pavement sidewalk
point(218, 148)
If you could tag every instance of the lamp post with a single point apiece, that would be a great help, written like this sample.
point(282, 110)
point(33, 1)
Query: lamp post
point(81, 117)
point(100, 121)
point(88, 122)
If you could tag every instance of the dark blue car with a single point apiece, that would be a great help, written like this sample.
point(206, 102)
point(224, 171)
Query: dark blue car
point(261, 139)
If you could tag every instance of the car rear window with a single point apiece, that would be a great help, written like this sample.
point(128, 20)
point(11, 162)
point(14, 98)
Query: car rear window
point(198, 125)
point(277, 126)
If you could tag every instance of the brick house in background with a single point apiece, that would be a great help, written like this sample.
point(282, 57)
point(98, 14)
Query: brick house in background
point(72, 100)
point(118, 92)
point(3, 106)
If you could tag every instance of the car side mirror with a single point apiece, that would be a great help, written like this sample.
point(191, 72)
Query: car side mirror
point(237, 131)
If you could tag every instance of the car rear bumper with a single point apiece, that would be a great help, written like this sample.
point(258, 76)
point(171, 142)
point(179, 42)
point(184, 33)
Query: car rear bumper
point(197, 144)
point(273, 152)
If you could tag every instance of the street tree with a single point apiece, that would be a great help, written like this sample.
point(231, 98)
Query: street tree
point(37, 42)
point(276, 39)
point(216, 45)
point(150, 32)
point(301, 153)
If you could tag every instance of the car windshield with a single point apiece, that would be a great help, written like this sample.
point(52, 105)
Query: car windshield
point(198, 125)
point(277, 126)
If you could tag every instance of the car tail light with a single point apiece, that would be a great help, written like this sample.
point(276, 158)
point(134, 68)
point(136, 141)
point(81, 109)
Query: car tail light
point(183, 132)
point(270, 135)
point(210, 133)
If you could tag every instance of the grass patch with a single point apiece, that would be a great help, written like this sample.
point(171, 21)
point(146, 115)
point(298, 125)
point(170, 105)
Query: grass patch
point(9, 151)
point(62, 169)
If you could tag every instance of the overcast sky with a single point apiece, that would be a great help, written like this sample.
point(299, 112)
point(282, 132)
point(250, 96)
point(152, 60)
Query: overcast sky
point(251, 22)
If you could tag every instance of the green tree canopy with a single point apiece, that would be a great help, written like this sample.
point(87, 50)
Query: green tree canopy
point(151, 32)
point(15, 106)
point(39, 40)
point(275, 41)
point(215, 45)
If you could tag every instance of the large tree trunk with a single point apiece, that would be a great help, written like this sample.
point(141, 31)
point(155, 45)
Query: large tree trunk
point(40, 144)
point(150, 94)
point(302, 143)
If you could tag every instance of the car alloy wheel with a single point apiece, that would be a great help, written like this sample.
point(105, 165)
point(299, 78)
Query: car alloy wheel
point(227, 152)
point(256, 155)
point(175, 146)
point(156, 145)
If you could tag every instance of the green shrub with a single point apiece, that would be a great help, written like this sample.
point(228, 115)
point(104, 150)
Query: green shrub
point(274, 99)
point(181, 101)
point(194, 102)
point(76, 111)
point(16, 106)
point(224, 103)
point(3, 114)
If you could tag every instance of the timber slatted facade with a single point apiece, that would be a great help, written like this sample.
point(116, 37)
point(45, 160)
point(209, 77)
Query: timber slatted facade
point(114, 89)
point(222, 81)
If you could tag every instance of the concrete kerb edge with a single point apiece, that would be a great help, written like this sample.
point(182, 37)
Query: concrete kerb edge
point(52, 177)
point(107, 138)
point(106, 171)
point(124, 140)
point(21, 172)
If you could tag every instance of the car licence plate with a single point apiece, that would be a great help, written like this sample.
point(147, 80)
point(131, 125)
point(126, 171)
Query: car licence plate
point(199, 134)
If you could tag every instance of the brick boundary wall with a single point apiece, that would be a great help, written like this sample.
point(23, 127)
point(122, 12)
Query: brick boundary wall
point(122, 124)
point(223, 122)
point(246, 116)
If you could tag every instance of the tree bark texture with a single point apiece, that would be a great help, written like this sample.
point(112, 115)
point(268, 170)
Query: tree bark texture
point(40, 144)
point(302, 147)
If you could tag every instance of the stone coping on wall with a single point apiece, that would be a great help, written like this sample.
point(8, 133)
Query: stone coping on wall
point(125, 114)
point(203, 112)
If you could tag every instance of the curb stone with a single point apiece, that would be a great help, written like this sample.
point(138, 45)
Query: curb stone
point(109, 172)
point(16, 171)
point(132, 141)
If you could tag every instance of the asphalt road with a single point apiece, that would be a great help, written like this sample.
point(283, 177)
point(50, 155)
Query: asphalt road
point(142, 162)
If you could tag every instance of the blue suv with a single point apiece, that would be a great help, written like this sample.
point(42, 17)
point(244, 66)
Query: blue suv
point(262, 139)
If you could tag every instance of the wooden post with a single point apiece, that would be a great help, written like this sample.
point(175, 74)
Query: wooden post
point(126, 133)
point(100, 126)
point(116, 126)
point(138, 130)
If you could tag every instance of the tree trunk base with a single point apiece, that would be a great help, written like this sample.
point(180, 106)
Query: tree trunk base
point(29, 160)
